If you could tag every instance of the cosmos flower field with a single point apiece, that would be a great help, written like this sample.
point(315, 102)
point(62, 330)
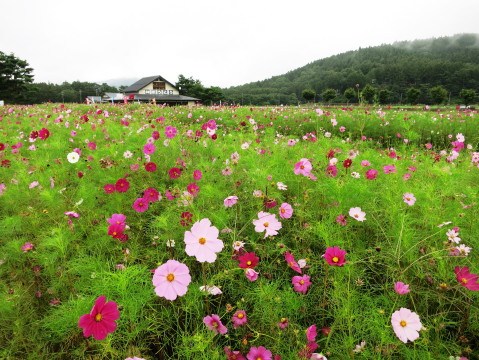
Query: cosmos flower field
point(149, 232)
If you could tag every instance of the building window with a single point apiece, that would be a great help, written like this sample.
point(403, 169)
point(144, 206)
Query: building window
point(159, 85)
point(147, 91)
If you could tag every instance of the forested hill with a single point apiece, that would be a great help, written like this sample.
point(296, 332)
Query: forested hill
point(449, 62)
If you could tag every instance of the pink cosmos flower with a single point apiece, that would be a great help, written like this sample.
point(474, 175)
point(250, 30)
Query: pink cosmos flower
point(116, 230)
point(134, 358)
point(283, 323)
point(27, 247)
point(213, 323)
point(316, 356)
point(174, 173)
point(140, 205)
point(193, 189)
point(101, 320)
point(239, 318)
point(251, 274)
point(72, 214)
point(259, 353)
point(151, 195)
point(33, 184)
point(109, 188)
point(311, 333)
point(406, 324)
point(291, 262)
point(171, 280)
point(335, 256)
point(248, 260)
point(122, 185)
point(233, 355)
point(303, 167)
point(357, 214)
point(170, 132)
point(197, 175)
point(230, 201)
point(267, 222)
point(301, 283)
point(365, 163)
point(401, 288)
point(341, 219)
point(149, 149)
point(202, 241)
point(371, 174)
point(285, 211)
point(467, 279)
point(150, 167)
point(117, 219)
point(409, 199)
point(389, 169)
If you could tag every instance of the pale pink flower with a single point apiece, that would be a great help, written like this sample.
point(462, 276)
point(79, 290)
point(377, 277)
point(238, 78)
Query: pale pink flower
point(285, 211)
point(406, 324)
point(213, 323)
point(267, 222)
point(303, 167)
point(409, 199)
point(230, 201)
point(357, 214)
point(171, 280)
point(251, 274)
point(202, 241)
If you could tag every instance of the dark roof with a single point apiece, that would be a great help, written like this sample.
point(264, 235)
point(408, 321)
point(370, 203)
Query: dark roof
point(140, 84)
point(163, 97)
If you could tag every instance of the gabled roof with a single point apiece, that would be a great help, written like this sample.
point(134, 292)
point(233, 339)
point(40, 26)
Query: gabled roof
point(140, 84)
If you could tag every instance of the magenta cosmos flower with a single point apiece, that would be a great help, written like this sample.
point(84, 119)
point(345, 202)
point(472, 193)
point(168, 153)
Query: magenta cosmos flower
point(122, 185)
point(301, 283)
point(233, 355)
point(303, 167)
point(267, 222)
point(140, 205)
point(213, 323)
point(335, 256)
point(239, 318)
point(357, 214)
point(406, 324)
point(291, 262)
point(466, 279)
point(101, 320)
point(170, 132)
point(401, 288)
point(151, 194)
point(259, 353)
point(248, 260)
point(171, 280)
point(202, 241)
point(230, 201)
point(371, 174)
point(285, 211)
point(149, 149)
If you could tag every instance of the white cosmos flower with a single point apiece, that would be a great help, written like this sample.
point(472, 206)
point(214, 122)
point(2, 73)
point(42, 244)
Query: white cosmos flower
point(73, 157)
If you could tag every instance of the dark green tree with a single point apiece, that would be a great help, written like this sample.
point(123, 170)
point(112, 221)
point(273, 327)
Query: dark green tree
point(384, 96)
point(189, 86)
point(328, 95)
point(438, 94)
point(412, 95)
point(468, 96)
point(308, 94)
point(368, 93)
point(15, 75)
point(349, 94)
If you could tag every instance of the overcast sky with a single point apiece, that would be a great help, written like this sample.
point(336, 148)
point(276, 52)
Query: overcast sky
point(220, 42)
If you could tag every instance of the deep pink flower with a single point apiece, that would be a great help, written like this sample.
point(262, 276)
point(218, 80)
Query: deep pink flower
point(174, 173)
point(92, 146)
point(151, 194)
point(285, 211)
point(149, 149)
point(283, 323)
point(341, 219)
point(259, 353)
point(193, 189)
point(248, 261)
point(202, 241)
point(117, 219)
point(291, 262)
point(301, 283)
point(467, 279)
point(197, 175)
point(140, 205)
point(230, 201)
point(267, 222)
point(331, 171)
point(27, 247)
point(170, 132)
point(233, 355)
point(401, 288)
point(155, 135)
point(335, 256)
point(109, 188)
point(389, 169)
point(303, 167)
point(101, 320)
point(43, 134)
point(406, 325)
point(122, 185)
point(213, 323)
point(150, 167)
point(371, 174)
point(239, 318)
point(171, 280)
point(116, 230)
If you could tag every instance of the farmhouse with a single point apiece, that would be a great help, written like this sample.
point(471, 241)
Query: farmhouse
point(158, 88)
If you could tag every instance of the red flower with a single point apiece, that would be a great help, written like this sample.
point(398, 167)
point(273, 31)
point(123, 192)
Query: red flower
point(116, 230)
point(109, 188)
point(151, 194)
point(122, 185)
point(347, 163)
point(175, 173)
point(248, 261)
point(101, 320)
point(33, 134)
point(2, 146)
point(150, 167)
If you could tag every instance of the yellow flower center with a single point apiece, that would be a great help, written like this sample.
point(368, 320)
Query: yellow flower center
point(266, 224)
point(464, 281)
point(301, 282)
point(356, 215)
point(215, 324)
point(240, 316)
point(283, 320)
point(114, 233)
point(301, 167)
point(202, 241)
point(283, 211)
point(170, 277)
point(98, 317)
point(403, 323)
point(335, 259)
point(248, 263)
